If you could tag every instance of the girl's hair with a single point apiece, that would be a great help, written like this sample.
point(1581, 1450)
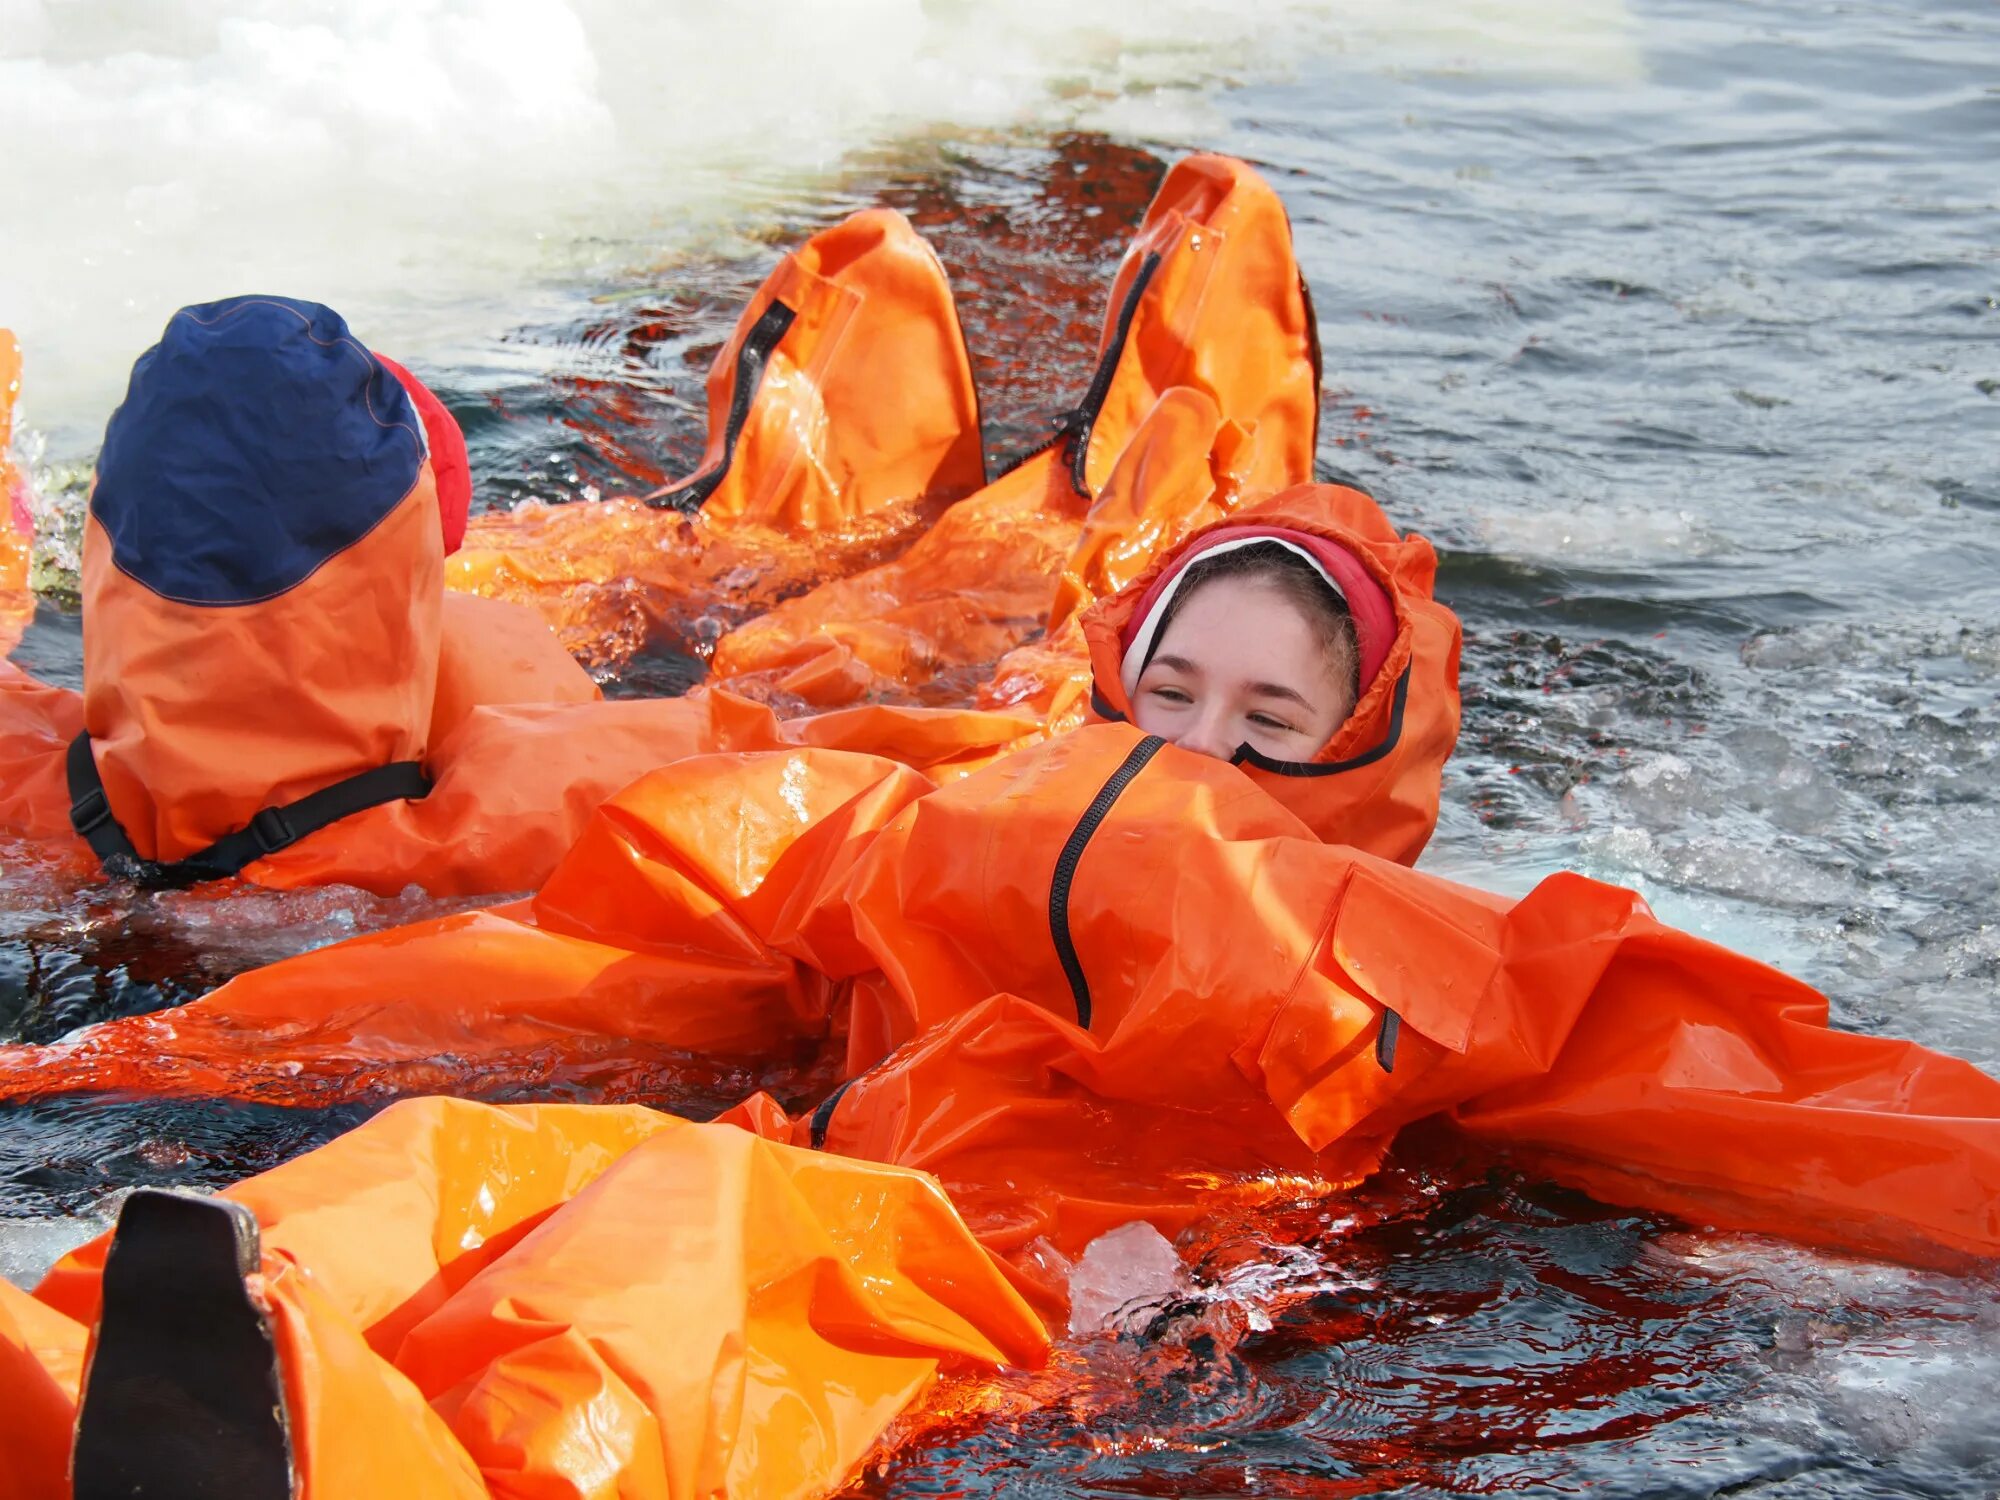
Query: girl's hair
point(1298, 581)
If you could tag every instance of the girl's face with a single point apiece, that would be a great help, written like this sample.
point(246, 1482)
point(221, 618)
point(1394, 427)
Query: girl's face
point(1240, 665)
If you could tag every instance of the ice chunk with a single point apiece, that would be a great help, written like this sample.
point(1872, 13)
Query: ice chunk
point(1123, 1272)
point(28, 1247)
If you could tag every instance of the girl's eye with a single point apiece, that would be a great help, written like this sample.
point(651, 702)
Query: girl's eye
point(1265, 721)
point(1170, 694)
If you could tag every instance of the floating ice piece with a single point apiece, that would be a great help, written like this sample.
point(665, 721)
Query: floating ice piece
point(1123, 1272)
point(28, 1247)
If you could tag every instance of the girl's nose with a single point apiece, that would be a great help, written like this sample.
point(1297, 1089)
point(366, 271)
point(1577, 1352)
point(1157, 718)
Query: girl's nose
point(1211, 733)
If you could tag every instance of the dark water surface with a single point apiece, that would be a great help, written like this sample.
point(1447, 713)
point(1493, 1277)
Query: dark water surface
point(1693, 376)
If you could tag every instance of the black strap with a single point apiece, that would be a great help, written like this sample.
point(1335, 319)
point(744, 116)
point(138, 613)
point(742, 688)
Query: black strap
point(270, 830)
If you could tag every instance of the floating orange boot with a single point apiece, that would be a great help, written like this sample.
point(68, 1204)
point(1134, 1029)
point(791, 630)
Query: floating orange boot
point(841, 413)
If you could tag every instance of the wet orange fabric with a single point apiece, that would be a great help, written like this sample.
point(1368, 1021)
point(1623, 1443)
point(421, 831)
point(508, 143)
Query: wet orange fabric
point(200, 715)
point(864, 409)
point(41, 1366)
point(1133, 928)
point(595, 1301)
point(37, 722)
point(1099, 980)
point(203, 715)
point(1089, 978)
point(648, 930)
point(1206, 392)
point(17, 604)
point(823, 472)
point(492, 652)
point(1229, 981)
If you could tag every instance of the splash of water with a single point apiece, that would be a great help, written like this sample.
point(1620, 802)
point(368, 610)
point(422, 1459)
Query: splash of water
point(425, 166)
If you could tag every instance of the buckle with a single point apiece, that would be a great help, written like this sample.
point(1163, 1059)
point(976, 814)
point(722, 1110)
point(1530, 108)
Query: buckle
point(90, 812)
point(271, 831)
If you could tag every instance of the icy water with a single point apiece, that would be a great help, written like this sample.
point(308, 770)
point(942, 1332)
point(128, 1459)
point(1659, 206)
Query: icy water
point(1682, 342)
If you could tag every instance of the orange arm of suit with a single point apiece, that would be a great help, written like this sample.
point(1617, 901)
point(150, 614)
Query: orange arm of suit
point(1201, 991)
point(698, 914)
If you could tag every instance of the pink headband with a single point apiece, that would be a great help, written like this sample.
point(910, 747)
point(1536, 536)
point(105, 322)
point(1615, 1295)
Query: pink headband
point(1374, 616)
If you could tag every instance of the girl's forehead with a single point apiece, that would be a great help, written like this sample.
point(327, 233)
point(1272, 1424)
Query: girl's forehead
point(1236, 613)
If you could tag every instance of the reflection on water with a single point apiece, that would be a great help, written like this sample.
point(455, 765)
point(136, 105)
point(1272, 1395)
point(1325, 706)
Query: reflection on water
point(1690, 373)
point(1455, 1330)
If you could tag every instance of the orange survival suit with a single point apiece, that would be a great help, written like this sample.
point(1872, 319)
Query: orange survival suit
point(313, 667)
point(1101, 980)
point(739, 949)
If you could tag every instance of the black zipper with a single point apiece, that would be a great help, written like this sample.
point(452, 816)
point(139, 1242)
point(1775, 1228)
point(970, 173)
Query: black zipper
point(1317, 356)
point(751, 361)
point(1072, 855)
point(1074, 425)
point(1385, 1040)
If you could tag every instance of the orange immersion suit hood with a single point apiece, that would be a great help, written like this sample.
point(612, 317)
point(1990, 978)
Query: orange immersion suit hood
point(262, 572)
point(1375, 784)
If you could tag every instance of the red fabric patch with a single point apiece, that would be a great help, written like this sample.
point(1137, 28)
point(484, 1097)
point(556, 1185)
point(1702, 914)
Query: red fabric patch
point(449, 464)
point(1367, 601)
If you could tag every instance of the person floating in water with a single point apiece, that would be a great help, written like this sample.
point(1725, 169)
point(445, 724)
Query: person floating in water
point(1111, 978)
point(273, 674)
point(1166, 963)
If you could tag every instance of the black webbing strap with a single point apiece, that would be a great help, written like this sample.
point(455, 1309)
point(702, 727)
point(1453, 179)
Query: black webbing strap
point(271, 830)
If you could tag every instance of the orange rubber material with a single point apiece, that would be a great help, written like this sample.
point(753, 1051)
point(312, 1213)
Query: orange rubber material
point(41, 1368)
point(201, 715)
point(1206, 393)
point(1100, 980)
point(580, 1300)
point(1239, 972)
point(864, 421)
point(707, 908)
point(1221, 946)
point(17, 603)
point(1086, 978)
point(822, 473)
point(823, 470)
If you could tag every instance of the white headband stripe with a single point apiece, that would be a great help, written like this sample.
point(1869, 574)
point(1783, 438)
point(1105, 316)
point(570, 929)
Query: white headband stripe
point(1141, 649)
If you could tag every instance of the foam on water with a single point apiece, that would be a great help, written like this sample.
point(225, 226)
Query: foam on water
point(424, 164)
